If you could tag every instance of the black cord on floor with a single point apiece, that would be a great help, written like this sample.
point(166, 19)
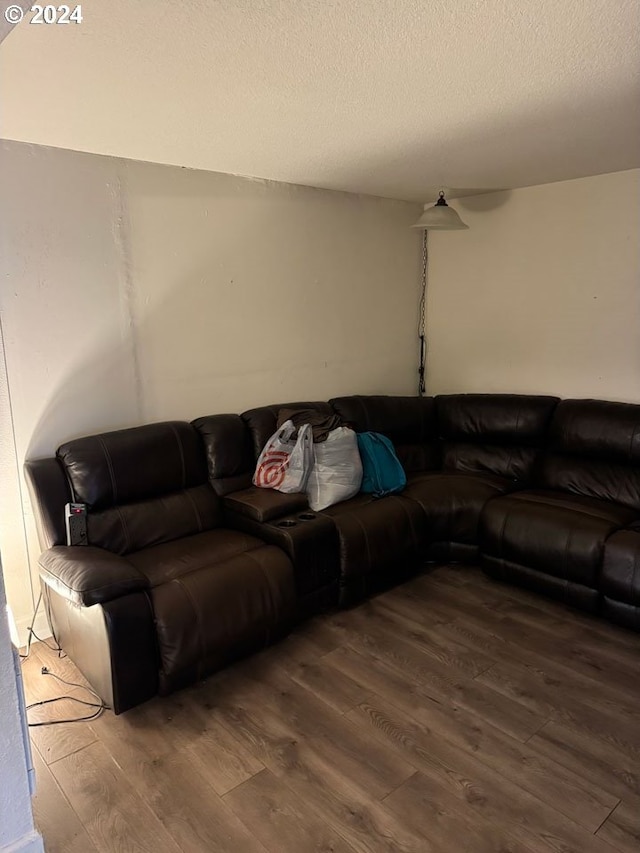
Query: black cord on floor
point(99, 705)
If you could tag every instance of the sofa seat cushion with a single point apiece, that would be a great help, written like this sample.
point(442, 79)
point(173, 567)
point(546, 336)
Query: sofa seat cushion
point(211, 611)
point(452, 502)
point(171, 560)
point(377, 539)
point(620, 579)
point(554, 533)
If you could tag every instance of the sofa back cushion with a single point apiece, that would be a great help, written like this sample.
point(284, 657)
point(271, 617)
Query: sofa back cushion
point(408, 421)
point(496, 433)
point(142, 486)
point(263, 421)
point(229, 451)
point(594, 450)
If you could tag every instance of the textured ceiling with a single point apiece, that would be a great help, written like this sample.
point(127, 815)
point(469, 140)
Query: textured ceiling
point(390, 97)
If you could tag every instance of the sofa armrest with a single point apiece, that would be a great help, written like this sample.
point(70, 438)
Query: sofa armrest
point(265, 504)
point(87, 575)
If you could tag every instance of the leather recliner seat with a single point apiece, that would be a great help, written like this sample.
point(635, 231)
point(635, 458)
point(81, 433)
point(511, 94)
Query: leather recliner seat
point(163, 594)
point(552, 538)
point(283, 520)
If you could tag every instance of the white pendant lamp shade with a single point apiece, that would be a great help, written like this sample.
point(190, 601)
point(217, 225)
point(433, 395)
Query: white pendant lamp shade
point(439, 217)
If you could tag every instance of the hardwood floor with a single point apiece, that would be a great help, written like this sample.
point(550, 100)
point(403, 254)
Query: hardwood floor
point(449, 715)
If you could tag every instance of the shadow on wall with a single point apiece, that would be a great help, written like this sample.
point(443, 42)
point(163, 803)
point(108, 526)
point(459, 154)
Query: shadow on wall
point(82, 402)
point(104, 389)
point(484, 203)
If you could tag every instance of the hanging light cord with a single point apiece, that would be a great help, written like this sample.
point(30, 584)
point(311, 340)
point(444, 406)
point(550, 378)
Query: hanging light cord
point(422, 318)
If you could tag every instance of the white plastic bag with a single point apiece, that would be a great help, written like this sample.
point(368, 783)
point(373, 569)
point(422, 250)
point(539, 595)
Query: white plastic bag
point(337, 469)
point(285, 464)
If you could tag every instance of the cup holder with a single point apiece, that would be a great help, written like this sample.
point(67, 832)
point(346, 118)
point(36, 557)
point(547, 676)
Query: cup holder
point(286, 523)
point(307, 516)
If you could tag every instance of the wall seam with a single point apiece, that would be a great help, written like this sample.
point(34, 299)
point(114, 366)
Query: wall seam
point(121, 237)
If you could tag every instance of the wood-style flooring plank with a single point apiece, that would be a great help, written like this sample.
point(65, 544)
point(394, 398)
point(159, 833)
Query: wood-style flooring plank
point(148, 732)
point(338, 784)
point(586, 689)
point(605, 649)
point(615, 662)
point(622, 828)
point(367, 621)
point(429, 807)
point(282, 822)
point(269, 720)
point(552, 702)
point(181, 723)
point(593, 758)
point(329, 686)
point(366, 825)
point(525, 818)
point(226, 763)
point(114, 814)
point(60, 827)
point(588, 804)
point(177, 790)
point(429, 679)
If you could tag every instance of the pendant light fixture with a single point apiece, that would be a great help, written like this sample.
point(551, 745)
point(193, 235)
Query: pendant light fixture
point(440, 217)
point(437, 217)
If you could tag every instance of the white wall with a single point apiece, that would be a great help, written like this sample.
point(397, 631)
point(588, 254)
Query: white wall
point(67, 342)
point(132, 292)
point(249, 292)
point(542, 294)
point(16, 821)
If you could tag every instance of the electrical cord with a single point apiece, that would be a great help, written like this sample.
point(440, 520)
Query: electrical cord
point(31, 634)
point(100, 706)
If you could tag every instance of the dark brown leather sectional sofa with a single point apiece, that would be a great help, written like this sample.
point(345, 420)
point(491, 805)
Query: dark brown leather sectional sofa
point(190, 567)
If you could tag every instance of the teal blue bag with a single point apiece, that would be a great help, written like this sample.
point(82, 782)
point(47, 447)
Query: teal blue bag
point(382, 473)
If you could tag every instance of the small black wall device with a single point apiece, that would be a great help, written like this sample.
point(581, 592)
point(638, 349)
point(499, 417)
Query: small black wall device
point(75, 517)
